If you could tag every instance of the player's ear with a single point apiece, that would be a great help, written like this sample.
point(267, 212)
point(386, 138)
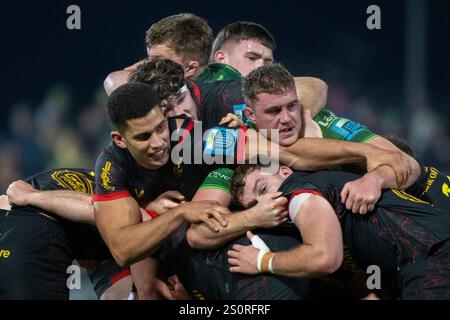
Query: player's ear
point(191, 69)
point(250, 114)
point(118, 139)
point(219, 56)
point(285, 171)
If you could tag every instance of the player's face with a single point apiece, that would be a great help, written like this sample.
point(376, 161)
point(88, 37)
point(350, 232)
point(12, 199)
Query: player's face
point(148, 139)
point(246, 55)
point(280, 112)
point(258, 185)
point(183, 104)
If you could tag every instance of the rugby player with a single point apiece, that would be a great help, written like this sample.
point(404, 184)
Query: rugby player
point(272, 103)
point(407, 238)
point(42, 245)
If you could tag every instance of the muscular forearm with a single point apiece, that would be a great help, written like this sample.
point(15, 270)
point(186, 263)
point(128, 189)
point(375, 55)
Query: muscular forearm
point(387, 178)
point(199, 236)
point(387, 174)
point(304, 261)
point(71, 205)
point(144, 275)
point(137, 241)
point(317, 154)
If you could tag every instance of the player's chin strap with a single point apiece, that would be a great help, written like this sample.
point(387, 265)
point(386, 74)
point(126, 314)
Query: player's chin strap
point(265, 257)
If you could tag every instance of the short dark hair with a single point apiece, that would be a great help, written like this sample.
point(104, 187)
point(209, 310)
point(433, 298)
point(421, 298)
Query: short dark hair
point(133, 100)
point(243, 30)
point(271, 78)
point(187, 34)
point(238, 180)
point(163, 75)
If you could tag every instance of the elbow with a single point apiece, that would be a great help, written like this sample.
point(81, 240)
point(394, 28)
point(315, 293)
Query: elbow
point(328, 262)
point(193, 239)
point(121, 259)
point(121, 255)
point(197, 241)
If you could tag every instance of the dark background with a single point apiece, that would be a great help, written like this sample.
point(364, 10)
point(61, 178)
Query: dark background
point(52, 107)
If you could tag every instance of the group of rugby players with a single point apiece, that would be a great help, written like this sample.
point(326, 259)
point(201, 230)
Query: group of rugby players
point(172, 210)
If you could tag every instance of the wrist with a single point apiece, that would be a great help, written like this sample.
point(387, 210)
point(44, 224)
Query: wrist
point(179, 211)
point(250, 220)
point(265, 265)
point(34, 198)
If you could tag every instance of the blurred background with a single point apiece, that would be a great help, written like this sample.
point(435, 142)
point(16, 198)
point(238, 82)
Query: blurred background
point(395, 80)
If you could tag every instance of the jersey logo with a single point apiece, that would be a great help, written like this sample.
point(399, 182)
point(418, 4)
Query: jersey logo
point(446, 189)
point(238, 111)
point(4, 254)
point(348, 129)
point(220, 141)
point(73, 180)
point(433, 172)
point(198, 295)
point(139, 194)
point(178, 168)
point(105, 176)
point(406, 196)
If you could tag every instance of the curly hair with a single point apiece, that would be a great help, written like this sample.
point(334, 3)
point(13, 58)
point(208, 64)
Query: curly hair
point(164, 76)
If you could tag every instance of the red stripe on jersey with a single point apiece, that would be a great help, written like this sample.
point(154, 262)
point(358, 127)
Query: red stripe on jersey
point(296, 193)
point(242, 138)
point(120, 276)
point(152, 213)
point(196, 90)
point(111, 196)
point(187, 131)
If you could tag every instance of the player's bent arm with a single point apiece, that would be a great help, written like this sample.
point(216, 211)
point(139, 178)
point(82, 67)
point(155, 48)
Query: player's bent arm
point(322, 249)
point(268, 213)
point(388, 176)
point(114, 80)
point(312, 93)
point(318, 153)
point(71, 205)
point(199, 236)
point(129, 240)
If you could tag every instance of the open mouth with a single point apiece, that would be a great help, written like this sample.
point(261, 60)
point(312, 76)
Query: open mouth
point(160, 154)
point(286, 130)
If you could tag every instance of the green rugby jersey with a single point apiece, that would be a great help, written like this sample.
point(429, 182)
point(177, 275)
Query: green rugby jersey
point(218, 72)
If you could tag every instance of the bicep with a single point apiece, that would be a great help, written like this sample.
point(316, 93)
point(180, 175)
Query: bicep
point(114, 215)
point(318, 223)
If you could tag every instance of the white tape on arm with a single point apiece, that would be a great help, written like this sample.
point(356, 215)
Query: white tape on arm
point(296, 203)
point(258, 243)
